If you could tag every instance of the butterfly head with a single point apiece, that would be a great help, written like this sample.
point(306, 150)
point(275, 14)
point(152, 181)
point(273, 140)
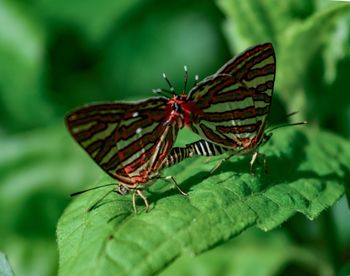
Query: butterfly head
point(122, 190)
point(177, 102)
point(179, 105)
point(176, 112)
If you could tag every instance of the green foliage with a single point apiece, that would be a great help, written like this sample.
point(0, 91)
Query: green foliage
point(345, 270)
point(56, 55)
point(311, 42)
point(304, 177)
point(21, 69)
point(78, 13)
point(252, 253)
point(299, 44)
point(36, 177)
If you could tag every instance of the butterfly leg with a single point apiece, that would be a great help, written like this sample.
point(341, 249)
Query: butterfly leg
point(207, 160)
point(175, 184)
point(220, 163)
point(254, 158)
point(252, 161)
point(140, 194)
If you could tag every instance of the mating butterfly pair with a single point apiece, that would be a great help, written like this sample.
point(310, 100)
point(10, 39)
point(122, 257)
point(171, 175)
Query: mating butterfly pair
point(132, 142)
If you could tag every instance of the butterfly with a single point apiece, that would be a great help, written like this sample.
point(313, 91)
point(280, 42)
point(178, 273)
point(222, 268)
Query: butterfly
point(129, 141)
point(230, 108)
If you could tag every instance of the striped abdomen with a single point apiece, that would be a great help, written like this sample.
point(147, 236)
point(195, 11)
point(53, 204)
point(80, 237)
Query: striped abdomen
point(205, 148)
point(198, 148)
point(176, 155)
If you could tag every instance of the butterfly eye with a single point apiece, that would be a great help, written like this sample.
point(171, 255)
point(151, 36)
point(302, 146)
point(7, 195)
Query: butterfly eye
point(122, 190)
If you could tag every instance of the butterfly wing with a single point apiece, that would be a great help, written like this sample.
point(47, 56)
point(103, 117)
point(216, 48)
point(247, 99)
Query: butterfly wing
point(256, 68)
point(230, 108)
point(129, 141)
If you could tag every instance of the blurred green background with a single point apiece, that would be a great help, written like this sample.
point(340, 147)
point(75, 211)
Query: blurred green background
point(56, 55)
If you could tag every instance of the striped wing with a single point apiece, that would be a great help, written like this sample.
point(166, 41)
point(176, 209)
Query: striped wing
point(231, 107)
point(127, 140)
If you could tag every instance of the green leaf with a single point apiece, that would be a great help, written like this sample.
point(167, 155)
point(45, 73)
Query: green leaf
point(5, 268)
point(307, 171)
point(298, 46)
point(252, 253)
point(250, 22)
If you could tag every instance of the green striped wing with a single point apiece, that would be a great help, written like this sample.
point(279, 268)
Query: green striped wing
point(230, 108)
point(129, 141)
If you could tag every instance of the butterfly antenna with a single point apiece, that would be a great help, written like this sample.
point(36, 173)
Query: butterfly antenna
point(196, 78)
point(186, 79)
point(285, 125)
point(87, 190)
point(163, 92)
point(97, 203)
point(291, 114)
point(287, 116)
point(172, 89)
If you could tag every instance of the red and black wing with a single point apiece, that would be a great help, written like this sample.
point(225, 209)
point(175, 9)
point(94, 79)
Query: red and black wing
point(129, 141)
point(230, 108)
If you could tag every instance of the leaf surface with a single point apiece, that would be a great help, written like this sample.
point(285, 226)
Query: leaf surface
point(307, 172)
point(253, 253)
